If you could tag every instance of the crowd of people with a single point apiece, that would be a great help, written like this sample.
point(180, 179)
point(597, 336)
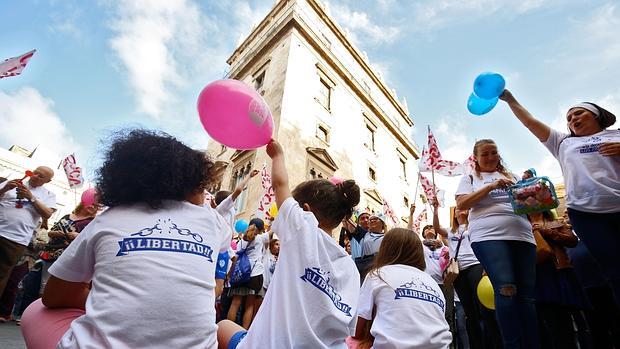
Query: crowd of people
point(161, 265)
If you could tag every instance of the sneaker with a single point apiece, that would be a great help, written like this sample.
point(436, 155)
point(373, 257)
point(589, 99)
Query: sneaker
point(18, 322)
point(3, 319)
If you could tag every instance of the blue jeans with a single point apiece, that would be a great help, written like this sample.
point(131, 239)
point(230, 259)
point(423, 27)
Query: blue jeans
point(511, 266)
point(600, 233)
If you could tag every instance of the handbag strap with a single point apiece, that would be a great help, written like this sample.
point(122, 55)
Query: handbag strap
point(458, 247)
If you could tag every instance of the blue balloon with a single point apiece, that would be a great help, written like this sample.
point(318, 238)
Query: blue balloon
point(489, 85)
point(479, 106)
point(241, 226)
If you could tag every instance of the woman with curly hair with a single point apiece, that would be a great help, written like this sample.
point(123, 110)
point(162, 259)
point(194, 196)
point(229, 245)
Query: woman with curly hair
point(142, 273)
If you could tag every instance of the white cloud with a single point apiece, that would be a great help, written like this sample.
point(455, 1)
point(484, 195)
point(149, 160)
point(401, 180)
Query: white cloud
point(361, 28)
point(150, 38)
point(434, 14)
point(66, 20)
point(30, 122)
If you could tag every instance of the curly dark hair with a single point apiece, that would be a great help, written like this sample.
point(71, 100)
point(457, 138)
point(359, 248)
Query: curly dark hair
point(150, 166)
point(330, 202)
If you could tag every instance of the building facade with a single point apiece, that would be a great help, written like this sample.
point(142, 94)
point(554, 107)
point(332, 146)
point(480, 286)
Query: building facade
point(333, 114)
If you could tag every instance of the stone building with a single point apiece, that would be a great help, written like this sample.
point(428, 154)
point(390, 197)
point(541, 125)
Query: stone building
point(333, 114)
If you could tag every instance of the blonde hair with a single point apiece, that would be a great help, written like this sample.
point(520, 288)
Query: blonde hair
point(501, 168)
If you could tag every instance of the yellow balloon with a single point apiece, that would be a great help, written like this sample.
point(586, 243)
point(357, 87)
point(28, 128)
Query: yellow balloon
point(273, 210)
point(485, 293)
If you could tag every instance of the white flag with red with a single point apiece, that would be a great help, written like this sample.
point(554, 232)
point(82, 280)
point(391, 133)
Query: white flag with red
point(387, 210)
point(418, 221)
point(268, 197)
point(73, 171)
point(431, 160)
point(432, 192)
point(469, 165)
point(14, 66)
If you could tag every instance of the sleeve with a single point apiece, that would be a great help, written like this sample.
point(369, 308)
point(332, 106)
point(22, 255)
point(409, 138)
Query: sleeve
point(553, 142)
point(290, 220)
point(77, 262)
point(226, 209)
point(225, 231)
point(366, 301)
point(222, 265)
point(466, 185)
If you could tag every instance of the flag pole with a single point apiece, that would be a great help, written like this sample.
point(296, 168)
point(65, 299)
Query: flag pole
point(417, 185)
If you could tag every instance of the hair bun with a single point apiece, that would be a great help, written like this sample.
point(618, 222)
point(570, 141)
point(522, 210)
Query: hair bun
point(350, 192)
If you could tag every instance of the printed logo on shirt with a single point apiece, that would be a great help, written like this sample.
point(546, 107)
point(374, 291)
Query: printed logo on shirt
point(320, 279)
point(593, 143)
point(143, 241)
point(417, 289)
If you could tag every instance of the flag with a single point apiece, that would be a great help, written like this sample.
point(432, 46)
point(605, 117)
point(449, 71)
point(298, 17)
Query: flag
point(431, 160)
point(387, 210)
point(417, 222)
point(73, 171)
point(469, 165)
point(14, 66)
point(268, 196)
point(432, 192)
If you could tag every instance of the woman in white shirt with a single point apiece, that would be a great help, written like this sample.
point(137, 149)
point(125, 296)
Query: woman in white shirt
point(145, 263)
point(400, 306)
point(503, 243)
point(590, 160)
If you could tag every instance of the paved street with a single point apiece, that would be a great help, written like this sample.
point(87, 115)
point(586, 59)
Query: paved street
point(11, 336)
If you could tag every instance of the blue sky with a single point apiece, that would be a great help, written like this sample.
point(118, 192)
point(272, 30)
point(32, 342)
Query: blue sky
point(106, 64)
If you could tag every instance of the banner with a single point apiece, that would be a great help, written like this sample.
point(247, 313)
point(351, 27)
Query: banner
point(73, 171)
point(14, 66)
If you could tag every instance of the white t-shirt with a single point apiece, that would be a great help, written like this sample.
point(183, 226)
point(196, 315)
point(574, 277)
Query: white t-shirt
point(226, 209)
point(410, 309)
point(492, 218)
point(270, 267)
point(153, 277)
point(466, 257)
point(255, 250)
point(18, 224)
point(312, 297)
point(432, 264)
point(592, 180)
point(371, 243)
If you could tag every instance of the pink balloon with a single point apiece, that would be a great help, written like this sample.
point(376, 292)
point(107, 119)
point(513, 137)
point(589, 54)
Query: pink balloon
point(89, 197)
point(234, 114)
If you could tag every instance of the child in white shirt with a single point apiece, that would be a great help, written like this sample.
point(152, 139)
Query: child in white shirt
point(312, 297)
point(143, 264)
point(400, 306)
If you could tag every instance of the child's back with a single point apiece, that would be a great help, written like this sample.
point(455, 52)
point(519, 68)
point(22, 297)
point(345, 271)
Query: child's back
point(147, 267)
point(312, 297)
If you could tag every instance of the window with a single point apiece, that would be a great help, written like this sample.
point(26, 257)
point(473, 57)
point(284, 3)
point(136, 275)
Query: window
point(325, 92)
point(322, 133)
point(370, 137)
point(259, 80)
point(316, 173)
point(238, 176)
point(320, 164)
point(372, 174)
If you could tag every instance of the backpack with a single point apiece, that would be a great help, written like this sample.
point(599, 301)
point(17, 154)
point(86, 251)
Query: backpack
point(242, 270)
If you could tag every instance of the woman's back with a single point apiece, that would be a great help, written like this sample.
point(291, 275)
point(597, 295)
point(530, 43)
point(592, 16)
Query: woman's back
point(146, 266)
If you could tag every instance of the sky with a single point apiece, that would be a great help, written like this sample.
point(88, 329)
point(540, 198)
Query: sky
point(103, 65)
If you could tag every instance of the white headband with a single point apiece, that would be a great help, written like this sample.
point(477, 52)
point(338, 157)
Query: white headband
point(587, 106)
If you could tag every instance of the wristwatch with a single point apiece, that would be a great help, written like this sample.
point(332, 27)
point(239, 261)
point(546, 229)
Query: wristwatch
point(33, 200)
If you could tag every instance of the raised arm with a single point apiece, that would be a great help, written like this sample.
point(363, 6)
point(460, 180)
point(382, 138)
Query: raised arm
point(538, 128)
point(279, 176)
point(436, 226)
point(242, 185)
point(411, 211)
